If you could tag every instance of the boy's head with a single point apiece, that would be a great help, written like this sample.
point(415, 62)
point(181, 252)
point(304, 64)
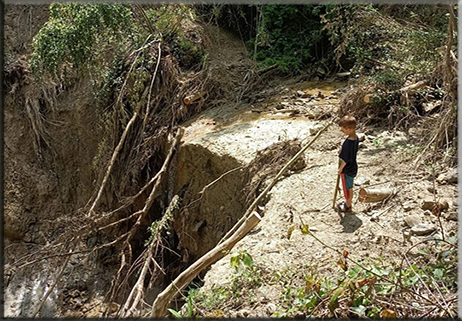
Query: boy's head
point(348, 124)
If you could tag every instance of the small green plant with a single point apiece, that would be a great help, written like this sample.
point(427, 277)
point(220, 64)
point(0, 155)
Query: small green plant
point(377, 142)
point(157, 227)
point(246, 276)
point(245, 271)
point(389, 79)
point(189, 306)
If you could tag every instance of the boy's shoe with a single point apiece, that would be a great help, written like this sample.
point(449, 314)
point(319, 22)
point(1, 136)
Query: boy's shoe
point(342, 207)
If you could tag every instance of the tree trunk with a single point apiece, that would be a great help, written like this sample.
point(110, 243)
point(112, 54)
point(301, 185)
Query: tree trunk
point(372, 195)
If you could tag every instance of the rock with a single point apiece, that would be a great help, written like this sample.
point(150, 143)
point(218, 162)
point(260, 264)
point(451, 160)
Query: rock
point(362, 181)
point(430, 205)
point(271, 308)
point(427, 205)
point(408, 206)
point(423, 229)
point(443, 204)
point(303, 94)
point(448, 177)
point(315, 113)
point(412, 220)
point(361, 136)
point(452, 216)
point(315, 129)
point(432, 190)
point(371, 137)
point(243, 313)
point(428, 212)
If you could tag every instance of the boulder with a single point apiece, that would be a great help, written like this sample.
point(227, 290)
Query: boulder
point(452, 216)
point(448, 177)
point(427, 205)
point(412, 220)
point(423, 229)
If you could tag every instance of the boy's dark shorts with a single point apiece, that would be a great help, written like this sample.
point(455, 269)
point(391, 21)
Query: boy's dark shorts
point(347, 181)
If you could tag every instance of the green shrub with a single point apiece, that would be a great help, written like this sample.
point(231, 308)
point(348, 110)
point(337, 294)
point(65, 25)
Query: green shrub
point(77, 34)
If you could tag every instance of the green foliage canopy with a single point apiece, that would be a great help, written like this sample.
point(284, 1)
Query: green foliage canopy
point(76, 33)
point(291, 36)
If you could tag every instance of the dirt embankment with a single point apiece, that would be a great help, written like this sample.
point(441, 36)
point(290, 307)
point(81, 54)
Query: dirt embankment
point(50, 152)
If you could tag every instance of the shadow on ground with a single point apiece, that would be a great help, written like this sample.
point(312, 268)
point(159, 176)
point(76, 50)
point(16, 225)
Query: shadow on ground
point(350, 222)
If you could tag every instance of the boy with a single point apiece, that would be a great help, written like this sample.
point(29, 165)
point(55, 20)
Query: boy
point(348, 167)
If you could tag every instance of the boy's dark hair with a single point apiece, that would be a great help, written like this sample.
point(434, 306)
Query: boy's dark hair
point(347, 122)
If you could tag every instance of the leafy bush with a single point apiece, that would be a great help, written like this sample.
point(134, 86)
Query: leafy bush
point(76, 34)
point(290, 36)
point(171, 22)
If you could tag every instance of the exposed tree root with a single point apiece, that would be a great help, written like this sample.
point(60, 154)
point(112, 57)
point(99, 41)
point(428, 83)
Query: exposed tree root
point(128, 309)
point(122, 139)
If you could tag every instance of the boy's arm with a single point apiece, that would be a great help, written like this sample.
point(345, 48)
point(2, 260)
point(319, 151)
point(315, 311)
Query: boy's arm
point(342, 165)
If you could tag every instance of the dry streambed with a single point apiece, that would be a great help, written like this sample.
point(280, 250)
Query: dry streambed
point(382, 230)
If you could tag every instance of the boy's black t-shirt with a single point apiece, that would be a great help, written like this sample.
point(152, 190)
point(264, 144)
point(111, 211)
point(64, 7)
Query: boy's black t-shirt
point(348, 154)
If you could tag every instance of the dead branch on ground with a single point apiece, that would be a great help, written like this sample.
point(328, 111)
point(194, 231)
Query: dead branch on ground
point(163, 299)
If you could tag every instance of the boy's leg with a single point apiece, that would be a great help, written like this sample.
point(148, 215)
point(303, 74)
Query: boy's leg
point(349, 200)
point(348, 189)
point(344, 186)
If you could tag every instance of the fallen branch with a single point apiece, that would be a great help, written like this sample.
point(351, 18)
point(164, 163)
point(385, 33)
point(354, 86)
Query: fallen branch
point(336, 184)
point(415, 86)
point(221, 176)
point(376, 215)
point(262, 71)
point(152, 84)
point(164, 298)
